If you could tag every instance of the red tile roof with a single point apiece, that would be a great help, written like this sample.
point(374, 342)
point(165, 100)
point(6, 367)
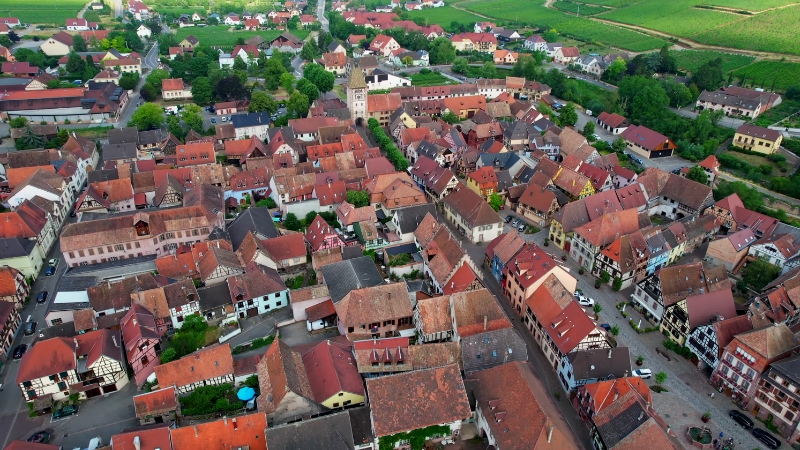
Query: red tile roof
point(201, 365)
point(172, 84)
point(645, 137)
point(155, 402)
point(241, 431)
point(144, 439)
point(320, 311)
point(331, 369)
point(612, 120)
point(461, 280)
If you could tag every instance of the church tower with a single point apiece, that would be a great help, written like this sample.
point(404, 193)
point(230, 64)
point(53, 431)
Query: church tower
point(357, 95)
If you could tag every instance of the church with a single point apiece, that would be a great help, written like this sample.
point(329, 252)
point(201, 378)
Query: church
point(364, 107)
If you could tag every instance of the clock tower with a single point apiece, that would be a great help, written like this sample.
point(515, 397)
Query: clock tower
point(357, 95)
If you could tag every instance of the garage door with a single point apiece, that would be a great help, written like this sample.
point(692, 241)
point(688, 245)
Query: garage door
point(93, 392)
point(110, 388)
point(252, 312)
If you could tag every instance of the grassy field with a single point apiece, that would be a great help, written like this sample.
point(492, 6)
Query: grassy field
point(430, 79)
point(678, 17)
point(690, 60)
point(749, 5)
point(221, 36)
point(784, 74)
point(533, 13)
point(766, 32)
point(575, 8)
point(179, 11)
point(41, 11)
point(445, 15)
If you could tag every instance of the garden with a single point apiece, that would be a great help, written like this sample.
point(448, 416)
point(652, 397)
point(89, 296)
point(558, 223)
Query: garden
point(206, 400)
point(427, 77)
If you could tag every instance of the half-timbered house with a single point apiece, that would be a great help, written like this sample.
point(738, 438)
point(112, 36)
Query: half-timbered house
point(257, 291)
point(207, 367)
point(142, 341)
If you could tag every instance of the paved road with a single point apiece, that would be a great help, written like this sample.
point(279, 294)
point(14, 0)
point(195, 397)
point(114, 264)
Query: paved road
point(321, 15)
point(151, 60)
point(117, 8)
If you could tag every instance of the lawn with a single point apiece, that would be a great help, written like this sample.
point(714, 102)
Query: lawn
point(430, 79)
point(41, 11)
point(221, 36)
point(756, 161)
point(782, 74)
point(766, 32)
point(690, 60)
point(445, 15)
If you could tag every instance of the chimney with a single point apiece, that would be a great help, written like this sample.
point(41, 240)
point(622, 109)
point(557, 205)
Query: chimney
point(609, 353)
point(225, 419)
point(195, 431)
point(485, 322)
point(616, 395)
point(136, 443)
point(235, 425)
point(641, 414)
point(550, 434)
point(76, 342)
point(114, 340)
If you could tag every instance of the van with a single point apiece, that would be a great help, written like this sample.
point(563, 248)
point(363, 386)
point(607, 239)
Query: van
point(30, 328)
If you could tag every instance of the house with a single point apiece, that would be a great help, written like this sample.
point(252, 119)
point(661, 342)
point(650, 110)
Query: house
point(441, 389)
point(251, 124)
point(466, 106)
point(748, 356)
point(142, 341)
point(538, 205)
point(613, 123)
point(509, 414)
point(480, 42)
point(584, 367)
point(124, 65)
point(383, 45)
point(211, 366)
point(472, 215)
point(590, 64)
point(484, 351)
point(232, 19)
point(733, 216)
point(20, 69)
point(376, 311)
point(681, 318)
point(58, 44)
point(674, 284)
point(287, 42)
point(159, 406)
point(483, 181)
point(756, 139)
point(778, 393)
point(536, 43)
point(89, 364)
point(709, 341)
point(320, 235)
point(738, 101)
point(432, 319)
point(419, 58)
point(559, 324)
point(647, 143)
point(9, 324)
point(529, 269)
point(143, 32)
point(152, 437)
point(175, 89)
point(591, 238)
point(257, 291)
point(80, 25)
point(14, 288)
point(334, 62)
point(406, 220)
point(380, 80)
point(246, 431)
point(333, 375)
point(285, 385)
point(505, 57)
point(252, 24)
point(189, 43)
point(566, 55)
point(780, 250)
point(501, 250)
point(388, 192)
point(474, 312)
point(730, 250)
point(31, 222)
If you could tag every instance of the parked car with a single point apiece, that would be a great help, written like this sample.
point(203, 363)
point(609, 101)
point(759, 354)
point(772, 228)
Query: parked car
point(508, 218)
point(213, 120)
point(605, 326)
point(20, 350)
point(50, 271)
point(768, 439)
point(224, 119)
point(65, 412)
point(643, 373)
point(521, 228)
point(53, 262)
point(515, 223)
point(42, 437)
point(42, 297)
point(741, 419)
point(29, 328)
point(584, 300)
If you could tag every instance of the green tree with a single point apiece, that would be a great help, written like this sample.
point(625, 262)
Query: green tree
point(192, 117)
point(75, 64)
point(267, 202)
point(78, 43)
point(489, 70)
point(128, 81)
point(29, 139)
point(174, 126)
point(619, 145)
point(202, 93)
point(450, 117)
point(261, 101)
point(168, 355)
point(568, 116)
point(239, 64)
point(147, 117)
point(679, 95)
point(615, 71)
point(649, 106)
point(441, 51)
point(18, 122)
point(231, 88)
point(709, 76)
point(297, 105)
point(358, 198)
point(697, 173)
point(324, 80)
point(407, 61)
point(287, 81)
point(309, 51)
point(759, 273)
point(550, 35)
point(588, 129)
point(155, 78)
point(308, 89)
point(495, 201)
point(273, 70)
point(291, 222)
point(460, 65)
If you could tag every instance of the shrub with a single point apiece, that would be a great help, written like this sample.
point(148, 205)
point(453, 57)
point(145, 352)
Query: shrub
point(615, 330)
point(266, 203)
point(678, 349)
point(617, 284)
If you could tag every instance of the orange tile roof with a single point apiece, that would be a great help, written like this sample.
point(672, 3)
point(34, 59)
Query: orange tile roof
point(201, 365)
point(470, 309)
point(144, 439)
point(434, 314)
point(18, 175)
point(236, 432)
point(383, 102)
point(461, 280)
point(155, 402)
point(177, 265)
point(603, 392)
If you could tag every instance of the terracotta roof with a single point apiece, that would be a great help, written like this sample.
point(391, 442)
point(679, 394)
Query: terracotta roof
point(117, 296)
point(56, 355)
point(155, 402)
point(84, 320)
point(530, 264)
point(279, 373)
point(612, 120)
point(505, 246)
point(770, 342)
point(644, 137)
point(440, 389)
point(505, 396)
point(318, 231)
point(603, 393)
point(319, 311)
point(383, 102)
point(434, 314)
point(144, 438)
point(332, 369)
point(374, 304)
point(285, 247)
point(473, 209)
point(549, 300)
point(725, 330)
point(172, 84)
point(204, 364)
point(237, 432)
point(349, 214)
point(256, 281)
point(677, 282)
point(461, 280)
point(538, 198)
point(604, 230)
point(470, 309)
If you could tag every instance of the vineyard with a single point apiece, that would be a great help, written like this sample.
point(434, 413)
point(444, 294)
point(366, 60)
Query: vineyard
point(576, 8)
point(42, 12)
point(765, 73)
point(771, 31)
point(690, 60)
point(445, 15)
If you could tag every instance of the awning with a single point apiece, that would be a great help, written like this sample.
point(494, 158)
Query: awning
point(140, 199)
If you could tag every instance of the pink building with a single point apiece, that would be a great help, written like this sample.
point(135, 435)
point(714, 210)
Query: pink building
point(321, 236)
point(142, 341)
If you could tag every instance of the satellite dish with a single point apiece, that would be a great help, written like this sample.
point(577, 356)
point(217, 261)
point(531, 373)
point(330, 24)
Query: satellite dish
point(591, 367)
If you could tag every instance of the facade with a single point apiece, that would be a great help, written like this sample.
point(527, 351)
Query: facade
point(142, 341)
point(14, 288)
point(9, 321)
point(58, 367)
point(206, 367)
point(472, 215)
point(757, 139)
point(681, 318)
point(778, 397)
point(708, 341)
point(380, 311)
point(527, 271)
point(175, 89)
point(257, 291)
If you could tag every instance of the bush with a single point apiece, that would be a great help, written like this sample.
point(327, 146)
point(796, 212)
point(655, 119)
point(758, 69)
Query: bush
point(385, 143)
point(615, 330)
point(266, 203)
point(209, 400)
point(292, 223)
point(617, 284)
point(678, 349)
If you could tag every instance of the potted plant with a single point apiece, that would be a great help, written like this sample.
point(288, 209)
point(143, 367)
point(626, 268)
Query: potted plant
point(597, 283)
point(639, 360)
point(546, 242)
point(582, 270)
point(706, 417)
point(564, 256)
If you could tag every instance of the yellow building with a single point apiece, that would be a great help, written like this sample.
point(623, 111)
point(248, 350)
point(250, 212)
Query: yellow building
point(333, 375)
point(757, 139)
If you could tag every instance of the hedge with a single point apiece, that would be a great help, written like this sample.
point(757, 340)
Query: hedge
point(385, 143)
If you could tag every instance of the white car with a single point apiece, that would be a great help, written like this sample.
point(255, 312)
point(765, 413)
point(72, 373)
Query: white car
point(643, 373)
point(584, 300)
point(53, 262)
point(224, 119)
